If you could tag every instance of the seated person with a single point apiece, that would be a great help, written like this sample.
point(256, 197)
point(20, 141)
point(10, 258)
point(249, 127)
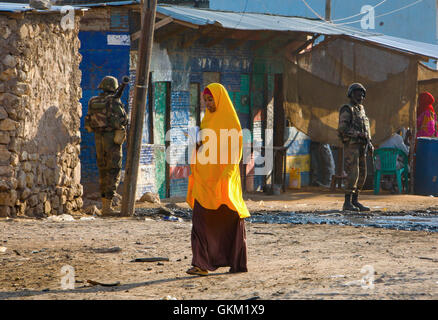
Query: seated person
point(396, 141)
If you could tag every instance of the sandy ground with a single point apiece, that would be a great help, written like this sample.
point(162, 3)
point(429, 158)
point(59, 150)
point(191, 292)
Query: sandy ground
point(284, 261)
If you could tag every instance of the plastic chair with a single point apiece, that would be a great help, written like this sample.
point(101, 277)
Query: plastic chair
point(388, 166)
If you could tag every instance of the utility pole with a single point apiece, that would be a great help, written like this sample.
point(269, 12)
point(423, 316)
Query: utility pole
point(328, 10)
point(138, 106)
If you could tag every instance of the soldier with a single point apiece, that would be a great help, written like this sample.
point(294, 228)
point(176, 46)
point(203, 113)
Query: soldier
point(108, 120)
point(354, 131)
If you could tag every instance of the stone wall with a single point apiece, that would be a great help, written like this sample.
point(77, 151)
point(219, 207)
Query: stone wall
point(39, 115)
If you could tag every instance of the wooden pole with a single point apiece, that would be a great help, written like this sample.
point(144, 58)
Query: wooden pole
point(412, 147)
point(138, 106)
point(328, 10)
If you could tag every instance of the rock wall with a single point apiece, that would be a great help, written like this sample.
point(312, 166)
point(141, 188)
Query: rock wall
point(39, 115)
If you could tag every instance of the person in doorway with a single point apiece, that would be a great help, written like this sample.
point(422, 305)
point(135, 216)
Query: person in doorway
point(354, 131)
point(214, 193)
point(427, 125)
point(108, 120)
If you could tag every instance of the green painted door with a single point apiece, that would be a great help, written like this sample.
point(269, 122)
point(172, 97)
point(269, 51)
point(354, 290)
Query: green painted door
point(161, 110)
point(241, 98)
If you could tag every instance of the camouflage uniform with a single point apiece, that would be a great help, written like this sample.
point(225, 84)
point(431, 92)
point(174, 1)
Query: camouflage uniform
point(107, 119)
point(354, 129)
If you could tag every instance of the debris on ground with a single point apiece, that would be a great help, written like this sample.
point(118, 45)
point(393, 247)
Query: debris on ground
point(172, 218)
point(151, 259)
point(61, 218)
point(150, 197)
point(3, 249)
point(107, 250)
point(165, 213)
point(265, 233)
point(427, 258)
point(168, 298)
point(97, 283)
point(92, 211)
point(87, 219)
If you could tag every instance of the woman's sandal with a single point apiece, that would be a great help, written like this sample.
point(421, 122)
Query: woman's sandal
point(197, 271)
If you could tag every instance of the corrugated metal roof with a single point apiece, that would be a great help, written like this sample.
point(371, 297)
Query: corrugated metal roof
point(257, 21)
point(254, 21)
point(416, 47)
point(105, 4)
point(23, 7)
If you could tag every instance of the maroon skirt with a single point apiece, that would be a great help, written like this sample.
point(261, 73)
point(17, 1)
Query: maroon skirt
point(218, 239)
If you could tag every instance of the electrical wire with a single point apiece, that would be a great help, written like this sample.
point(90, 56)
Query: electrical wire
point(410, 5)
point(384, 14)
point(358, 14)
point(356, 21)
point(314, 12)
point(341, 19)
point(241, 17)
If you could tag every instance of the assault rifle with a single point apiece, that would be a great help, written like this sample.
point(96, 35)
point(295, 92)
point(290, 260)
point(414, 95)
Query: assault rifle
point(369, 147)
point(119, 91)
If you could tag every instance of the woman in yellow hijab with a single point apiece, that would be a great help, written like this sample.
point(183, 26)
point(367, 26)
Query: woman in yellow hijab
point(214, 191)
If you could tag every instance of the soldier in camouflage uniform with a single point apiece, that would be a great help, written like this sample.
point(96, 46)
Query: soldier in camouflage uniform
point(107, 119)
point(354, 131)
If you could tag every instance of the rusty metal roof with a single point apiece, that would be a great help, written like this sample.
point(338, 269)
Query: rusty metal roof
point(24, 7)
point(257, 21)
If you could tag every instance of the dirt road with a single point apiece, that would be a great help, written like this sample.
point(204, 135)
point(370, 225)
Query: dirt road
point(285, 261)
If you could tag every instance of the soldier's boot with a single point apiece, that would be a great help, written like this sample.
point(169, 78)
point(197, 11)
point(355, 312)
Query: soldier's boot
point(348, 206)
point(107, 209)
point(355, 202)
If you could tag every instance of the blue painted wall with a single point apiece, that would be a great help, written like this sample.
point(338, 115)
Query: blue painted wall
point(99, 59)
point(417, 22)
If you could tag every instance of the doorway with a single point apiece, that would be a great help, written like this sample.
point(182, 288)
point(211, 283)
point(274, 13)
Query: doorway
point(161, 96)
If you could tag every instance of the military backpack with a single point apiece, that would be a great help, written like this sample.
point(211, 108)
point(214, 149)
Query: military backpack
point(105, 113)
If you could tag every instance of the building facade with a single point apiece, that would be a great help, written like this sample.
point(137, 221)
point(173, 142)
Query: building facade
point(183, 63)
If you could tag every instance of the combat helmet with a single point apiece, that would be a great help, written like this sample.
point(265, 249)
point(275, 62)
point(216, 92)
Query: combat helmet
point(109, 83)
point(355, 86)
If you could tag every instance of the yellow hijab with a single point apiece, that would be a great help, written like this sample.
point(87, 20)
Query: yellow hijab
point(214, 184)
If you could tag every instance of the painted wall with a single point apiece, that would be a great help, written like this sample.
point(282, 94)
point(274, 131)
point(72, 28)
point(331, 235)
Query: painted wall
point(184, 68)
point(105, 48)
point(298, 154)
point(103, 53)
point(244, 74)
point(418, 22)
